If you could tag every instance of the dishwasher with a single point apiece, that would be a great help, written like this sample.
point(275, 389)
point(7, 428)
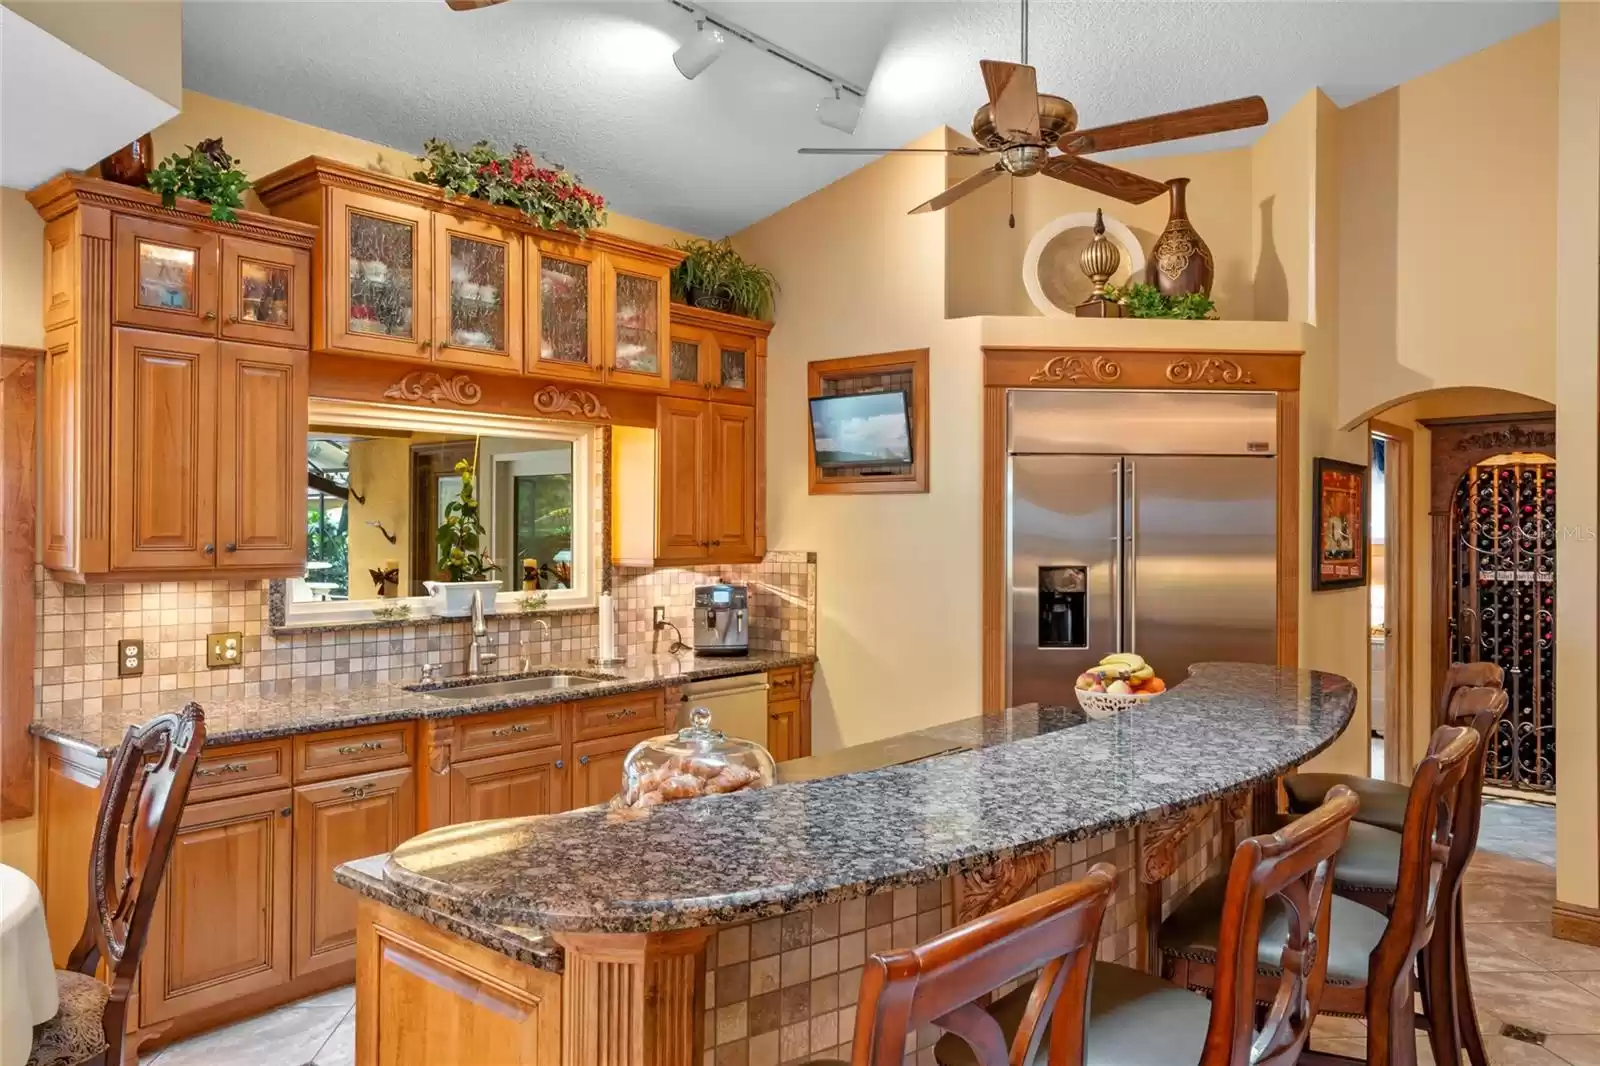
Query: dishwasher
point(738, 705)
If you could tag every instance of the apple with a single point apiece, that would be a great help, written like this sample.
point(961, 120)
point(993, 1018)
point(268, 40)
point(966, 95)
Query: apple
point(1119, 688)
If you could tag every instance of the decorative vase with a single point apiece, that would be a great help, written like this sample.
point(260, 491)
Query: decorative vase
point(1180, 262)
point(130, 164)
point(453, 599)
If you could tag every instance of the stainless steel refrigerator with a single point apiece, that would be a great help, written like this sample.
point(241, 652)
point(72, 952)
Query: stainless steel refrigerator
point(1138, 521)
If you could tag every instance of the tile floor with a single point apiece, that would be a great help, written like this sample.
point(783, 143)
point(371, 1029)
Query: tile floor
point(1521, 975)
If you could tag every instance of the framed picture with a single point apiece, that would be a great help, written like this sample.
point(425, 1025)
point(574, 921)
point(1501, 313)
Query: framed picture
point(1339, 546)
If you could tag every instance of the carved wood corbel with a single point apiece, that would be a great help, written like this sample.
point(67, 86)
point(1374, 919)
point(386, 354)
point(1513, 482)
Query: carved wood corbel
point(1077, 368)
point(426, 386)
point(990, 887)
point(1160, 837)
point(553, 400)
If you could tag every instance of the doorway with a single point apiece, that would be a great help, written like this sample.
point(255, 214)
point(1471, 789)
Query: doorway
point(1389, 508)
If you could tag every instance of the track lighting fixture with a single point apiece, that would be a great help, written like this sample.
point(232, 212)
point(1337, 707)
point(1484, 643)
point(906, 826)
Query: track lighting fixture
point(838, 111)
point(700, 51)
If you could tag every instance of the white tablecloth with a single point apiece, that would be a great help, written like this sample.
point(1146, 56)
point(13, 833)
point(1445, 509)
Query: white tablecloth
point(27, 973)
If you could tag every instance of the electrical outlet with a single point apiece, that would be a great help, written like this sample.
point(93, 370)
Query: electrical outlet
point(659, 618)
point(224, 649)
point(130, 658)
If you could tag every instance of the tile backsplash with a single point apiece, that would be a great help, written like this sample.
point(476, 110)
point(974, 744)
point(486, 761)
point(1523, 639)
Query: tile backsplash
point(79, 626)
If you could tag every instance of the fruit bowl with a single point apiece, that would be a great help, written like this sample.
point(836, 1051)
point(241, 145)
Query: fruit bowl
point(1104, 704)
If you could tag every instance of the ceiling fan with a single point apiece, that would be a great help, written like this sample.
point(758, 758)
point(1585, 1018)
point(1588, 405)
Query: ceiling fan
point(1022, 125)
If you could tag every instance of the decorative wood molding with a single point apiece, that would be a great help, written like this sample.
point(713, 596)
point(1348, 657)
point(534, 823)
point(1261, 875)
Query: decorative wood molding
point(433, 792)
point(633, 999)
point(683, 314)
point(426, 386)
point(1160, 837)
point(19, 375)
point(1515, 438)
point(66, 191)
point(1211, 371)
point(1122, 368)
point(553, 400)
point(1569, 921)
point(1077, 368)
point(991, 887)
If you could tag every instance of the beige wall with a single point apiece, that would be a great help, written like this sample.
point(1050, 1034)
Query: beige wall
point(1448, 240)
point(1577, 349)
point(380, 469)
point(142, 41)
point(21, 271)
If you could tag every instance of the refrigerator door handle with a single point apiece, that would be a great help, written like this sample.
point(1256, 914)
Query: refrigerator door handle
point(1130, 568)
point(1118, 566)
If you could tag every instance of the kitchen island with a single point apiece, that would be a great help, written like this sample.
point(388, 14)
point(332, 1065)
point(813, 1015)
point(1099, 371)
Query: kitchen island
point(741, 919)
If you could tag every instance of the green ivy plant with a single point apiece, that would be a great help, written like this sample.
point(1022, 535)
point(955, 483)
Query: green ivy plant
point(714, 276)
point(206, 173)
point(1147, 301)
point(550, 197)
point(461, 533)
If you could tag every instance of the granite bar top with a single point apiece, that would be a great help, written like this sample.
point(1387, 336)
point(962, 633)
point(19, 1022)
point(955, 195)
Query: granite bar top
point(369, 701)
point(1017, 782)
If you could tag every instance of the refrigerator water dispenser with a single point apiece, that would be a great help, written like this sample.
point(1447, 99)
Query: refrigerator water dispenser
point(1063, 607)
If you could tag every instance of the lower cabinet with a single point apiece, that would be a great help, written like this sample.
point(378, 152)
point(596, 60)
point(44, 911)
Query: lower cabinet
point(334, 822)
point(784, 737)
point(597, 766)
point(509, 786)
point(221, 923)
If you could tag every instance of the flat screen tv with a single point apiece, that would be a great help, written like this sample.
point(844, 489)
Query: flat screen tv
point(862, 429)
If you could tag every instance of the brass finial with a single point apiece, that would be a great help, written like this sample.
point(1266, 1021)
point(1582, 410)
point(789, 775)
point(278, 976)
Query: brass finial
point(1100, 257)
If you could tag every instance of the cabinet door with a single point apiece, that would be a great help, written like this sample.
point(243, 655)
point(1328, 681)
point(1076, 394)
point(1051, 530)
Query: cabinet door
point(477, 294)
point(565, 301)
point(266, 293)
point(731, 502)
point(681, 457)
point(163, 448)
point(783, 730)
point(689, 362)
point(508, 786)
point(379, 260)
point(165, 276)
point(732, 373)
point(597, 767)
point(334, 822)
point(261, 456)
point(221, 923)
point(636, 328)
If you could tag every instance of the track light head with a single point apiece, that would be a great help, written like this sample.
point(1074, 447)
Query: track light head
point(838, 111)
point(699, 52)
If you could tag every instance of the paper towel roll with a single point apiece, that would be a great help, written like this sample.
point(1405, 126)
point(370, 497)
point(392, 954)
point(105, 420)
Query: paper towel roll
point(608, 627)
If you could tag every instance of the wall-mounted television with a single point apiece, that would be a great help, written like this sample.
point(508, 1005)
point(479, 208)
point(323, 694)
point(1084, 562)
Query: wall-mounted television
point(861, 429)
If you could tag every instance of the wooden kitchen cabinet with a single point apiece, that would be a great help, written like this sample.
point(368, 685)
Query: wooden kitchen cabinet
point(176, 373)
point(636, 330)
point(334, 822)
point(730, 497)
point(597, 767)
point(477, 294)
point(783, 730)
point(221, 924)
point(565, 298)
point(682, 461)
point(509, 786)
point(377, 262)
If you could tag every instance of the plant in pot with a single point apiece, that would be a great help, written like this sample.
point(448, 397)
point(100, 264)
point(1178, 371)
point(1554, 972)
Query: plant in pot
point(714, 276)
point(461, 556)
point(206, 173)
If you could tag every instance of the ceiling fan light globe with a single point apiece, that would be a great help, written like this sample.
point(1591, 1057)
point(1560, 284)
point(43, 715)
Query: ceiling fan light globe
point(839, 111)
point(699, 52)
point(1024, 160)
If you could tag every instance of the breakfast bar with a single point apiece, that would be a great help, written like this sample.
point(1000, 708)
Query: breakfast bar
point(582, 938)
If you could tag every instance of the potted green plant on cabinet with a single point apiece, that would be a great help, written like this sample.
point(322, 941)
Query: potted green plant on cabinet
point(461, 552)
point(714, 276)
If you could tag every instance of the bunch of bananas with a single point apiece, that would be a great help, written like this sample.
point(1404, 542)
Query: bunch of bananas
point(1122, 673)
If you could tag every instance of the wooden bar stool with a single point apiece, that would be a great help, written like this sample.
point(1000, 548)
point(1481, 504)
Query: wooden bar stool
point(1136, 1019)
point(1383, 803)
point(1370, 958)
point(145, 791)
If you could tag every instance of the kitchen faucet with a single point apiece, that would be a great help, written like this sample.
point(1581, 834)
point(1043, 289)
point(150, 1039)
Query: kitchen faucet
point(527, 660)
point(477, 658)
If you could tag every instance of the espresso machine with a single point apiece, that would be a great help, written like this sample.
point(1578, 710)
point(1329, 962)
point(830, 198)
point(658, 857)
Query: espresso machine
point(722, 620)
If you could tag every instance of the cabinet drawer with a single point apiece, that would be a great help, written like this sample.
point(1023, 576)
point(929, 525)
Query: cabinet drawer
point(519, 730)
point(783, 684)
point(618, 714)
point(241, 768)
point(320, 756)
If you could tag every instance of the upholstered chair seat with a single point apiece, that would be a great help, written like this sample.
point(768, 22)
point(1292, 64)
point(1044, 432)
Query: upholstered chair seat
point(77, 1033)
point(1383, 803)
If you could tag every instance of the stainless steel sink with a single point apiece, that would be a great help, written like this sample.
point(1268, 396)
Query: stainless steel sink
point(512, 686)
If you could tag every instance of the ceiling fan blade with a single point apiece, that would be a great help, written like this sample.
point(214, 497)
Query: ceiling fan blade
point(1013, 98)
point(958, 150)
point(958, 190)
point(470, 5)
point(1098, 177)
point(1173, 126)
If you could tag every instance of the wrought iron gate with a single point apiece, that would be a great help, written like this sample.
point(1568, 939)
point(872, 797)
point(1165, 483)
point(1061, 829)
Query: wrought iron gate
point(1502, 607)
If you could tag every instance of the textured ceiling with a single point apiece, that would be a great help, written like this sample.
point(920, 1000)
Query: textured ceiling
point(591, 85)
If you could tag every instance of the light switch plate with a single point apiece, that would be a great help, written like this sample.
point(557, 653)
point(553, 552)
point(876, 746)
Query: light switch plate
point(130, 658)
point(224, 649)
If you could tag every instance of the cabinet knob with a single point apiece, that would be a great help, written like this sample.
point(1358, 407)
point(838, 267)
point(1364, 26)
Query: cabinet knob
point(233, 318)
point(716, 544)
point(583, 760)
point(230, 546)
point(422, 346)
point(287, 811)
point(561, 764)
point(209, 316)
point(211, 549)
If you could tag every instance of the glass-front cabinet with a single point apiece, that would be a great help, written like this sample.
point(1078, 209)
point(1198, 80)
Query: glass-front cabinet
point(477, 294)
point(264, 293)
point(166, 276)
point(564, 298)
point(380, 255)
point(636, 338)
point(733, 371)
point(710, 364)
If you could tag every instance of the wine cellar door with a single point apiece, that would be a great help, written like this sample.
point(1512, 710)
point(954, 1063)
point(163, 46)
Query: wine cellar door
point(1502, 609)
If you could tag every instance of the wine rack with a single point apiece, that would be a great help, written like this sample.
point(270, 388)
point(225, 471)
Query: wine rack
point(1503, 589)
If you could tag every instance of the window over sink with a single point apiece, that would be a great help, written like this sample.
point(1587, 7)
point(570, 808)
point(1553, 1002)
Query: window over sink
point(384, 483)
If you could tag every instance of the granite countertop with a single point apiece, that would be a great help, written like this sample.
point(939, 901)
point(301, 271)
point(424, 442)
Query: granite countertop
point(368, 700)
point(1016, 782)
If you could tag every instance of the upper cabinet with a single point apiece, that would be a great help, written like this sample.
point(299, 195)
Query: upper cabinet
point(175, 386)
point(713, 355)
point(407, 273)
